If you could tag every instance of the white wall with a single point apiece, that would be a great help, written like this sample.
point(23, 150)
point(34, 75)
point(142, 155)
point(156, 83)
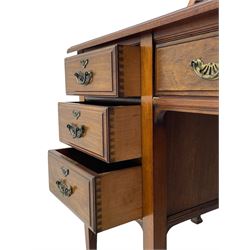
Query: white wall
point(34, 36)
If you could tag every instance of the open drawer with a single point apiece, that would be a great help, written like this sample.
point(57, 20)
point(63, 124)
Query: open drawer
point(102, 195)
point(111, 133)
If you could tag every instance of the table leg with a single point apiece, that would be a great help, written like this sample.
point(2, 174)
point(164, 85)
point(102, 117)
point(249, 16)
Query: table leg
point(153, 158)
point(91, 239)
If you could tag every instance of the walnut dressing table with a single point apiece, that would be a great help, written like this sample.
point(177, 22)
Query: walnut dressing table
point(144, 134)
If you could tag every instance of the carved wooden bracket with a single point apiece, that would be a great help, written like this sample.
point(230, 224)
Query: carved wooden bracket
point(159, 115)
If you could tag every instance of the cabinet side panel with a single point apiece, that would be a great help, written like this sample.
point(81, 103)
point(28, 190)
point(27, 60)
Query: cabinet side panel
point(192, 158)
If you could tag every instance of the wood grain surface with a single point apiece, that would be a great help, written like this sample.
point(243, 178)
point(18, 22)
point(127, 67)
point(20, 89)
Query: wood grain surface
point(93, 118)
point(111, 133)
point(192, 160)
point(173, 65)
point(80, 201)
point(102, 199)
point(115, 69)
point(124, 133)
point(103, 64)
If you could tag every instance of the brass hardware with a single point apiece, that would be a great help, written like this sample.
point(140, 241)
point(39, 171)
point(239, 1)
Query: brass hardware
point(75, 131)
point(84, 78)
point(209, 71)
point(65, 190)
point(76, 114)
point(84, 63)
point(65, 171)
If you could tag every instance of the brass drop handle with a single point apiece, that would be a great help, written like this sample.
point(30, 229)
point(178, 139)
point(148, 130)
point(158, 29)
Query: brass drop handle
point(64, 189)
point(208, 71)
point(84, 78)
point(75, 131)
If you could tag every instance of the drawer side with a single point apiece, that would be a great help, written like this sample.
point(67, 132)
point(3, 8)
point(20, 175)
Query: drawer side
point(118, 198)
point(125, 133)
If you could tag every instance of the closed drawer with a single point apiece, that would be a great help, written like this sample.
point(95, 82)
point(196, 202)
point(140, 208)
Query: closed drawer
point(110, 133)
point(187, 66)
point(101, 197)
point(110, 71)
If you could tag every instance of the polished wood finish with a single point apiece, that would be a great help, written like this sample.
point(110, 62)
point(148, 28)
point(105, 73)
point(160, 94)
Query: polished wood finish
point(192, 160)
point(116, 72)
point(147, 139)
point(152, 25)
point(191, 213)
point(202, 105)
point(173, 65)
point(82, 183)
point(103, 198)
point(119, 197)
point(178, 129)
point(124, 133)
point(154, 224)
point(111, 133)
point(91, 239)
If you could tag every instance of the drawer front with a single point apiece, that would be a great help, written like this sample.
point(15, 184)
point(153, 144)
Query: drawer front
point(73, 189)
point(189, 66)
point(84, 127)
point(110, 71)
point(110, 133)
point(100, 197)
point(92, 72)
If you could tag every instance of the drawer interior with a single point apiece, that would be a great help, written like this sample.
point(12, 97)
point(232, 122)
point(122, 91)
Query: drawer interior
point(109, 102)
point(94, 164)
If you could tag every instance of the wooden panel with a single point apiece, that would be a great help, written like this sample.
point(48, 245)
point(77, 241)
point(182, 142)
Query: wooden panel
point(102, 63)
point(170, 18)
point(147, 139)
point(129, 71)
point(188, 214)
point(125, 132)
point(192, 160)
point(119, 195)
point(173, 65)
point(90, 239)
point(191, 104)
point(197, 27)
point(80, 201)
point(111, 133)
point(104, 195)
point(116, 72)
point(94, 119)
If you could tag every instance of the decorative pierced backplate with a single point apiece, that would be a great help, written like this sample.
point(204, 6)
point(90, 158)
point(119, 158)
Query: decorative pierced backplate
point(208, 71)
